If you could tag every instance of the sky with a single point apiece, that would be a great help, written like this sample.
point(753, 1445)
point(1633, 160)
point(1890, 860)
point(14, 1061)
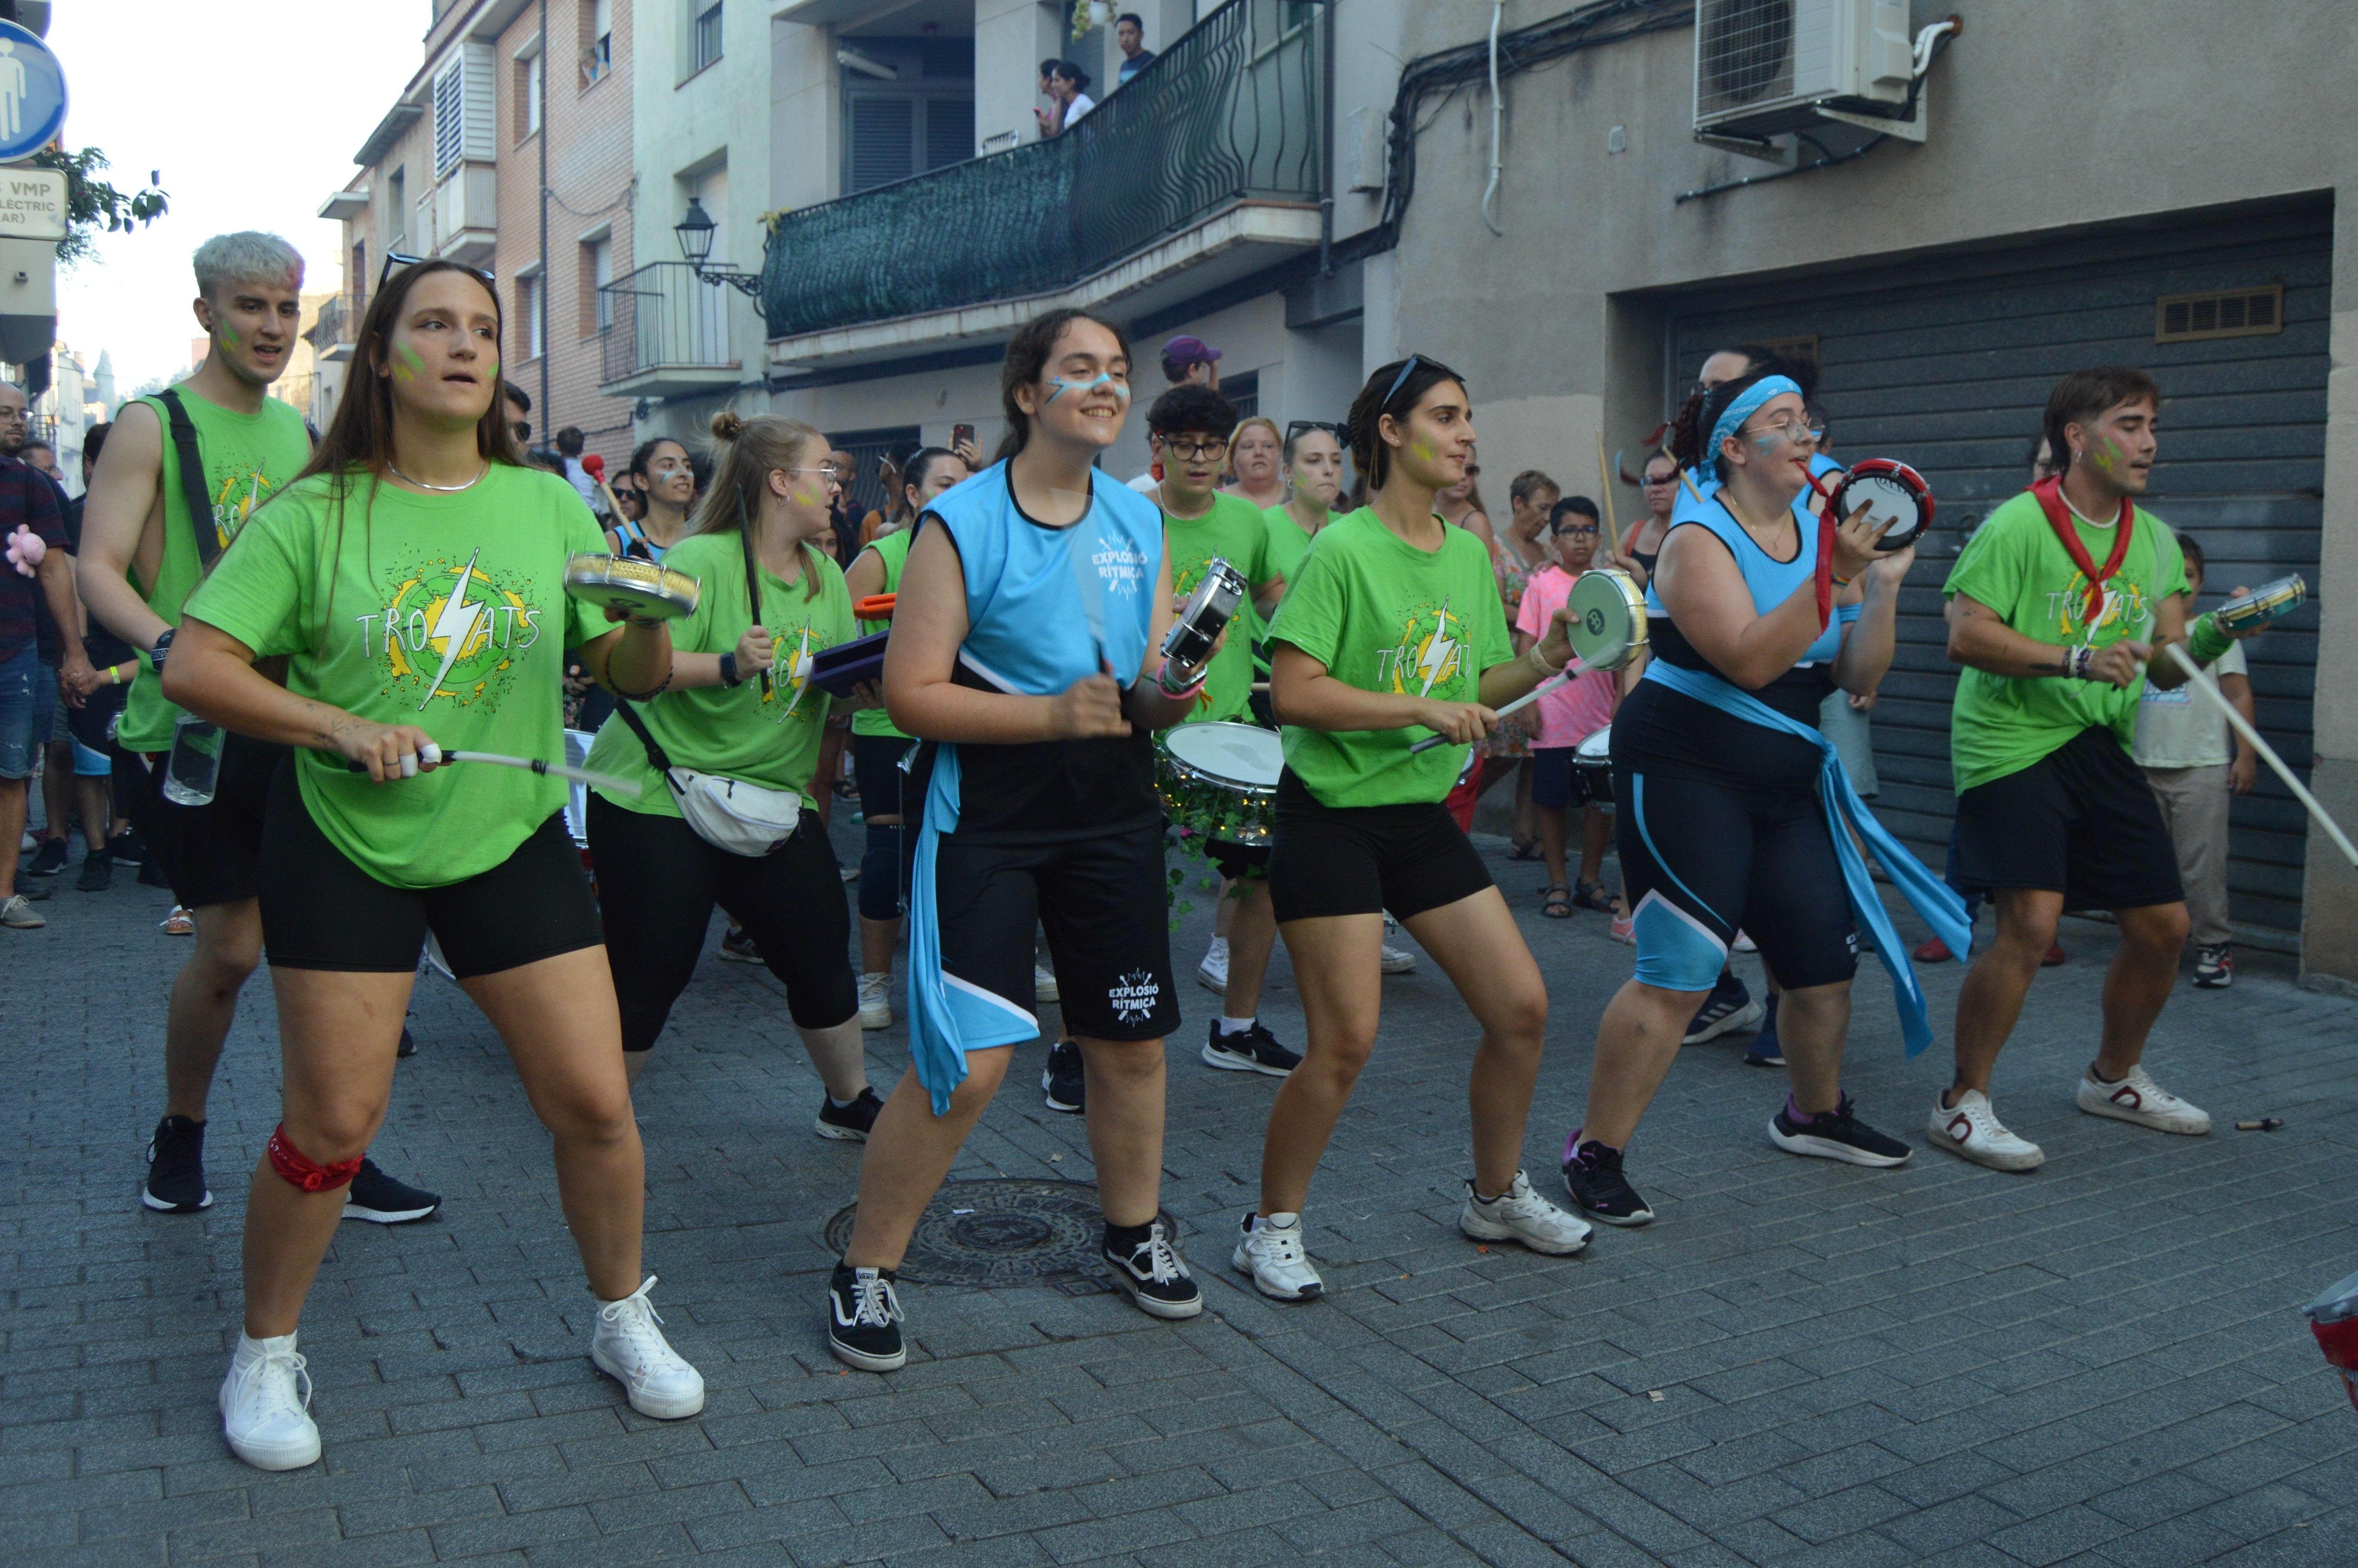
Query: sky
point(252, 127)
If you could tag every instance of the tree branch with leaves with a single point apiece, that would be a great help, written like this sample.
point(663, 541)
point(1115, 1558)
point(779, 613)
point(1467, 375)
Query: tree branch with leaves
point(91, 201)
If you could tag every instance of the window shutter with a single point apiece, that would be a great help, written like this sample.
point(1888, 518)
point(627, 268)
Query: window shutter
point(449, 115)
point(883, 141)
point(949, 131)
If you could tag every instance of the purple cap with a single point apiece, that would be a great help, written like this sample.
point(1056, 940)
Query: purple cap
point(1185, 350)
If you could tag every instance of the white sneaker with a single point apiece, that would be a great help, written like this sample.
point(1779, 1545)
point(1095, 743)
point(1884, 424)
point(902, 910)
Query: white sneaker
point(1271, 1253)
point(1213, 970)
point(2139, 1099)
point(850, 874)
point(1520, 1215)
point(16, 911)
point(876, 1001)
point(1396, 960)
point(1743, 944)
point(1043, 985)
point(629, 1348)
point(1972, 1130)
point(266, 1405)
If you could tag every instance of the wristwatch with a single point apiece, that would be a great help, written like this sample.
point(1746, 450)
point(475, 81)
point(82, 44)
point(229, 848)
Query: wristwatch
point(162, 646)
point(728, 676)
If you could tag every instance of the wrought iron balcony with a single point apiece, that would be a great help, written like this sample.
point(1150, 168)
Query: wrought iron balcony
point(331, 332)
point(1230, 112)
point(664, 332)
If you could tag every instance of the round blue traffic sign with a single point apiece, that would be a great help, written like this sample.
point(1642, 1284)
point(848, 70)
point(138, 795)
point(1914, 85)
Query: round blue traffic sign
point(32, 94)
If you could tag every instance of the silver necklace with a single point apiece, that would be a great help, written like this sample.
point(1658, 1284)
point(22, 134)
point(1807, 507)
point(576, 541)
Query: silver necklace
point(445, 489)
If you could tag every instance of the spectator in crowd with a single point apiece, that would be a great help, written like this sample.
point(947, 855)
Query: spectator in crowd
point(1255, 460)
point(519, 404)
point(1067, 85)
point(42, 456)
point(846, 516)
point(1129, 35)
point(1567, 716)
point(2185, 747)
point(28, 512)
point(1187, 359)
point(570, 442)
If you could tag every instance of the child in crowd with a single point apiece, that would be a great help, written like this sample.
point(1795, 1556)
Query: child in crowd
point(2183, 744)
point(1567, 716)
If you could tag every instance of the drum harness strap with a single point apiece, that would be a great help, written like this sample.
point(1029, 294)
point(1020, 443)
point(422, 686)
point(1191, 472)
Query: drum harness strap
point(1938, 902)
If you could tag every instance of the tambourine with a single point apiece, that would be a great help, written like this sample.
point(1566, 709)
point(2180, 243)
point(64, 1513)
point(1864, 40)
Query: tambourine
point(635, 587)
point(1892, 493)
point(2262, 605)
point(1607, 627)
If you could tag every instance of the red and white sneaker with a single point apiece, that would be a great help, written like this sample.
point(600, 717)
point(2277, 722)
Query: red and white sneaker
point(2139, 1098)
point(1971, 1130)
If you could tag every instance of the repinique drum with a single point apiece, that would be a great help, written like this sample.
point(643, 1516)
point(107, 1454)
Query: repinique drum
point(2263, 603)
point(639, 588)
point(1220, 779)
point(1893, 492)
point(1592, 767)
point(1608, 618)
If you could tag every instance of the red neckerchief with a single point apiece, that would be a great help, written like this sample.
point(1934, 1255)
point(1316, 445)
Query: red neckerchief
point(2050, 493)
point(1827, 524)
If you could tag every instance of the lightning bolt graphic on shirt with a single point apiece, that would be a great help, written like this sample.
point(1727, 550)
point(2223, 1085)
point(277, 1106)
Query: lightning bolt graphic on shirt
point(798, 672)
point(1437, 653)
point(456, 620)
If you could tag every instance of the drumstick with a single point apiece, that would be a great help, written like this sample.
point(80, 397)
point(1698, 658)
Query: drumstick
point(1523, 701)
point(2267, 752)
point(1685, 478)
point(1605, 478)
point(619, 785)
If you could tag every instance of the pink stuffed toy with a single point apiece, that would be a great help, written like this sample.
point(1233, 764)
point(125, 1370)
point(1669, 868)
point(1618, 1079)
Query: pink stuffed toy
point(26, 550)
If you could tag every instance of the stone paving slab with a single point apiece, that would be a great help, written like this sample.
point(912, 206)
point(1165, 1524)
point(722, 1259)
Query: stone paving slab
point(1799, 1363)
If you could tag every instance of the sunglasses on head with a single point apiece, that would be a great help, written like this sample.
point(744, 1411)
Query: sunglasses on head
point(394, 259)
point(1298, 427)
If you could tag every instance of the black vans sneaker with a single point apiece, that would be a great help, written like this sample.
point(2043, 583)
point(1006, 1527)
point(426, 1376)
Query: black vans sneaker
point(1254, 1051)
point(1835, 1134)
point(1592, 1174)
point(1063, 1079)
point(176, 1168)
point(1153, 1274)
point(863, 1320)
point(379, 1199)
point(851, 1121)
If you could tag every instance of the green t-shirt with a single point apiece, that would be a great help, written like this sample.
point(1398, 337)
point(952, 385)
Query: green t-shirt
point(1287, 541)
point(771, 738)
point(2018, 568)
point(893, 550)
point(1232, 530)
point(248, 457)
point(1383, 615)
point(445, 611)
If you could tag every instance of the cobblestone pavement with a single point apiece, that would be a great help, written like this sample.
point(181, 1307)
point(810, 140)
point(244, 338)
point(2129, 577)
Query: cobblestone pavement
point(1801, 1363)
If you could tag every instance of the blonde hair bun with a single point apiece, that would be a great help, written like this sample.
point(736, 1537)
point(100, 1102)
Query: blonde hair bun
point(727, 425)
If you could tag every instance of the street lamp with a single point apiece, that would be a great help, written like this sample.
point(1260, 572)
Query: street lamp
point(695, 231)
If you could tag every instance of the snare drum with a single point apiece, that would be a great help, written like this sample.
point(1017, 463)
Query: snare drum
point(1220, 779)
point(1592, 767)
point(1608, 626)
point(636, 586)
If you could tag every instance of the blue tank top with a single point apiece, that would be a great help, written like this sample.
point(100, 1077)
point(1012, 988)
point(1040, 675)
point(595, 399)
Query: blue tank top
point(1772, 581)
point(1045, 605)
point(636, 543)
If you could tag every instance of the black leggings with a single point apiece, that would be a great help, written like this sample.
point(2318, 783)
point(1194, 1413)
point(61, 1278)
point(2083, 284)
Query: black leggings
point(657, 882)
point(884, 869)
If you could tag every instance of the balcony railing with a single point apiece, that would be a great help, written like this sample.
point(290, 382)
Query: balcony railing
point(663, 319)
point(1230, 110)
point(335, 326)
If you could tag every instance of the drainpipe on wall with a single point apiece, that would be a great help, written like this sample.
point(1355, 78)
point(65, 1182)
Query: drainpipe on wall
point(540, 289)
point(1326, 156)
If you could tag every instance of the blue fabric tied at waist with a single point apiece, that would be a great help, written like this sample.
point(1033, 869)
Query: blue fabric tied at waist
point(948, 1017)
point(1926, 894)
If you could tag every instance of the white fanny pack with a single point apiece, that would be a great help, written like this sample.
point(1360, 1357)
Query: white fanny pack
point(729, 814)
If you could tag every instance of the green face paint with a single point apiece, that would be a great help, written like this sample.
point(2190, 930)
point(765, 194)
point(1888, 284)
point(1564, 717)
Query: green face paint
point(408, 363)
point(229, 336)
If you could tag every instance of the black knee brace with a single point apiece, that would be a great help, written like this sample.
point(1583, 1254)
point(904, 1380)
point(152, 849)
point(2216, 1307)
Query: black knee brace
point(879, 874)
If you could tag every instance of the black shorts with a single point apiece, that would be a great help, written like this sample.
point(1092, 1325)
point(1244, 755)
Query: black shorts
point(1557, 783)
point(1365, 860)
point(876, 771)
point(1237, 862)
point(1703, 857)
point(1104, 903)
point(321, 912)
point(209, 853)
point(2080, 821)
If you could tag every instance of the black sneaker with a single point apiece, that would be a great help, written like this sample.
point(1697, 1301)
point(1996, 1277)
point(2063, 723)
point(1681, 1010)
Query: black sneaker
point(123, 848)
point(408, 1046)
point(738, 947)
point(1728, 1009)
point(1155, 1276)
point(48, 859)
point(1592, 1174)
point(176, 1168)
point(379, 1199)
point(31, 887)
point(1835, 1134)
point(863, 1319)
point(2214, 967)
point(851, 1121)
point(97, 873)
point(1062, 1078)
point(1254, 1051)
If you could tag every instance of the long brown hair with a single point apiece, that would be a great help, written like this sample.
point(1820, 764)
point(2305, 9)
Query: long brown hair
point(360, 434)
point(746, 451)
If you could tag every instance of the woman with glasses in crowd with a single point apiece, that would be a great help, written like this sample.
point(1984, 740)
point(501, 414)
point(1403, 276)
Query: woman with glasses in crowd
point(1642, 545)
point(665, 477)
point(877, 745)
point(1395, 633)
point(1255, 457)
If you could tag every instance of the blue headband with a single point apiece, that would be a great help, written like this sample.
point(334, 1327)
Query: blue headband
point(1747, 403)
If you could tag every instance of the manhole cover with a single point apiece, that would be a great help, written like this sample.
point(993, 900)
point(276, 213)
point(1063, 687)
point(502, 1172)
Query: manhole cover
point(1007, 1231)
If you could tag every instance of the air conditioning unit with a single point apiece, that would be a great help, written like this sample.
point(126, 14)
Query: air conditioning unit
point(1765, 68)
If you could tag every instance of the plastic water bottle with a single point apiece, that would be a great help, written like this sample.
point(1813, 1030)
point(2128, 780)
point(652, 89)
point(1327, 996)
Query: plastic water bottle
point(193, 770)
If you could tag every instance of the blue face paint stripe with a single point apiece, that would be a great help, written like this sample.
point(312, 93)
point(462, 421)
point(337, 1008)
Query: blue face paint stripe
point(1104, 378)
point(1646, 835)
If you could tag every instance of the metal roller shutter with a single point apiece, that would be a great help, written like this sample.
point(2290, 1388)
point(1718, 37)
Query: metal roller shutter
point(1945, 363)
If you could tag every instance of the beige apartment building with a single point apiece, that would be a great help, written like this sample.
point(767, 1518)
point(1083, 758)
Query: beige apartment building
point(510, 152)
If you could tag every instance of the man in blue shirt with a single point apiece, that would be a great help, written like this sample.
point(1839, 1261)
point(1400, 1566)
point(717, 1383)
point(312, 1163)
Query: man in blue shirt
point(1130, 32)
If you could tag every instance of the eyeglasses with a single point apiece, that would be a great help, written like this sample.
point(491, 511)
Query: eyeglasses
point(1577, 528)
point(397, 259)
point(1297, 428)
point(1192, 452)
point(1790, 428)
point(826, 471)
point(1656, 483)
